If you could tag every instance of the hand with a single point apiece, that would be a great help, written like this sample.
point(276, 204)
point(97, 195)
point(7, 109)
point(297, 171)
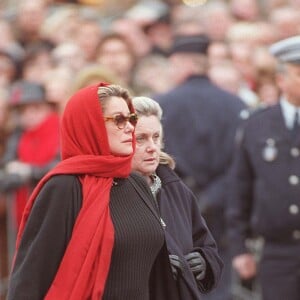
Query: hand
point(175, 265)
point(197, 264)
point(245, 265)
point(19, 168)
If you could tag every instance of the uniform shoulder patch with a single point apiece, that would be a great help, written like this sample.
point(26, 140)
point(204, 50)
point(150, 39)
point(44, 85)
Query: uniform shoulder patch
point(246, 113)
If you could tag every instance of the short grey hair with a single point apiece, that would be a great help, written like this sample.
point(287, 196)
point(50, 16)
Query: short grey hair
point(146, 107)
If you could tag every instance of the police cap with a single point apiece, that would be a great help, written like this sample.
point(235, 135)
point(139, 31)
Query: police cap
point(287, 50)
point(190, 43)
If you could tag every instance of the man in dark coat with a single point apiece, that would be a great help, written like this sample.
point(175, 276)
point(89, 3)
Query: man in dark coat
point(200, 122)
point(265, 190)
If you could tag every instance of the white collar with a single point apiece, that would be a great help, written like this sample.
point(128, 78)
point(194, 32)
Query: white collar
point(288, 111)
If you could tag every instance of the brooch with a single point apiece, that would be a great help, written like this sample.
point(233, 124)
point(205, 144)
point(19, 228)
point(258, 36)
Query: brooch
point(270, 151)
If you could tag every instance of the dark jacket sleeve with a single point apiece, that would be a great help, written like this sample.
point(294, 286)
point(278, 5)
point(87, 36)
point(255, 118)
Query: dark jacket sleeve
point(45, 238)
point(204, 243)
point(37, 172)
point(11, 148)
point(10, 182)
point(239, 205)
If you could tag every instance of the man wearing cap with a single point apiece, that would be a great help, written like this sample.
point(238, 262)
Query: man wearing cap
point(154, 18)
point(33, 147)
point(265, 190)
point(200, 122)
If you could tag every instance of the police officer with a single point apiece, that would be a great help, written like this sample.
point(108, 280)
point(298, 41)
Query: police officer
point(200, 121)
point(265, 191)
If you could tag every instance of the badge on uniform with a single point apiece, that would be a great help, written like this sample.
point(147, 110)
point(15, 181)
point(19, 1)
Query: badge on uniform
point(269, 152)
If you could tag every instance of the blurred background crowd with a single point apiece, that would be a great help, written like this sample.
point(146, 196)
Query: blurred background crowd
point(61, 46)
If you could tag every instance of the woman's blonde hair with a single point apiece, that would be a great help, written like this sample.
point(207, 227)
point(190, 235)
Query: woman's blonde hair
point(146, 107)
point(113, 90)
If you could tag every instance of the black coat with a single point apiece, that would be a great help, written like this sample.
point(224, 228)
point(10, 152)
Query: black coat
point(200, 122)
point(49, 229)
point(185, 232)
point(265, 182)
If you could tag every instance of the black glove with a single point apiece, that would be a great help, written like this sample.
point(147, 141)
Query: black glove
point(175, 265)
point(197, 264)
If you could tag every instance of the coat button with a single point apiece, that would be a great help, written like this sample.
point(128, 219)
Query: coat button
point(295, 152)
point(296, 234)
point(293, 180)
point(294, 209)
point(244, 114)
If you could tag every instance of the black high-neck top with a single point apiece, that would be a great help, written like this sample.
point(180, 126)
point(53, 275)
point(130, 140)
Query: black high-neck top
point(138, 239)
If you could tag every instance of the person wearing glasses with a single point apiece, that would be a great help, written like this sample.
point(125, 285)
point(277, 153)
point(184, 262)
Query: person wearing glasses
point(87, 231)
point(192, 250)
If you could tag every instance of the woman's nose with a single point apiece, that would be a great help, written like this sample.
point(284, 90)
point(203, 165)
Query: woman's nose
point(129, 127)
point(151, 145)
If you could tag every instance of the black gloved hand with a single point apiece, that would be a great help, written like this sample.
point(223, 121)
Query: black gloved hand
point(197, 264)
point(175, 265)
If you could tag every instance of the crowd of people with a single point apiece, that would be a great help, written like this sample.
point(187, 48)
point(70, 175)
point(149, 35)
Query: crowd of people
point(209, 66)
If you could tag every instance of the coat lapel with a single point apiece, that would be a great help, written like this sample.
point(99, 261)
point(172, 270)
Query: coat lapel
point(146, 197)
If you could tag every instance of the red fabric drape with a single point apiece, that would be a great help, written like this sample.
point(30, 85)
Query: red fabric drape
point(37, 147)
point(85, 152)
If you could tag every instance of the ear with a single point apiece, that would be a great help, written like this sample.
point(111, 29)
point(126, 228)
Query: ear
point(280, 81)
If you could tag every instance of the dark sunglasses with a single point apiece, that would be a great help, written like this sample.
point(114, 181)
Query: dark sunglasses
point(121, 120)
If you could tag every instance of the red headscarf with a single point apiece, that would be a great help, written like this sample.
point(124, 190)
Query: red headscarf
point(85, 152)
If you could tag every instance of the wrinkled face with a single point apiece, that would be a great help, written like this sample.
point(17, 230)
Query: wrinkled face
point(148, 145)
point(120, 140)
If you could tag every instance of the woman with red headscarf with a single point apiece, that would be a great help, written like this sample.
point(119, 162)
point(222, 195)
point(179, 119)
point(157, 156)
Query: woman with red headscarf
point(87, 231)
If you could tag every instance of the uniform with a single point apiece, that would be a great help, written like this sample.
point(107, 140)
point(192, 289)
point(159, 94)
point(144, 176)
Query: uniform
point(200, 121)
point(264, 193)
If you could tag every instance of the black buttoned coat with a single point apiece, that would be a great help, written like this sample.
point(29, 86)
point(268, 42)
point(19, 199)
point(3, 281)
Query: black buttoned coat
point(185, 232)
point(265, 182)
point(200, 122)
